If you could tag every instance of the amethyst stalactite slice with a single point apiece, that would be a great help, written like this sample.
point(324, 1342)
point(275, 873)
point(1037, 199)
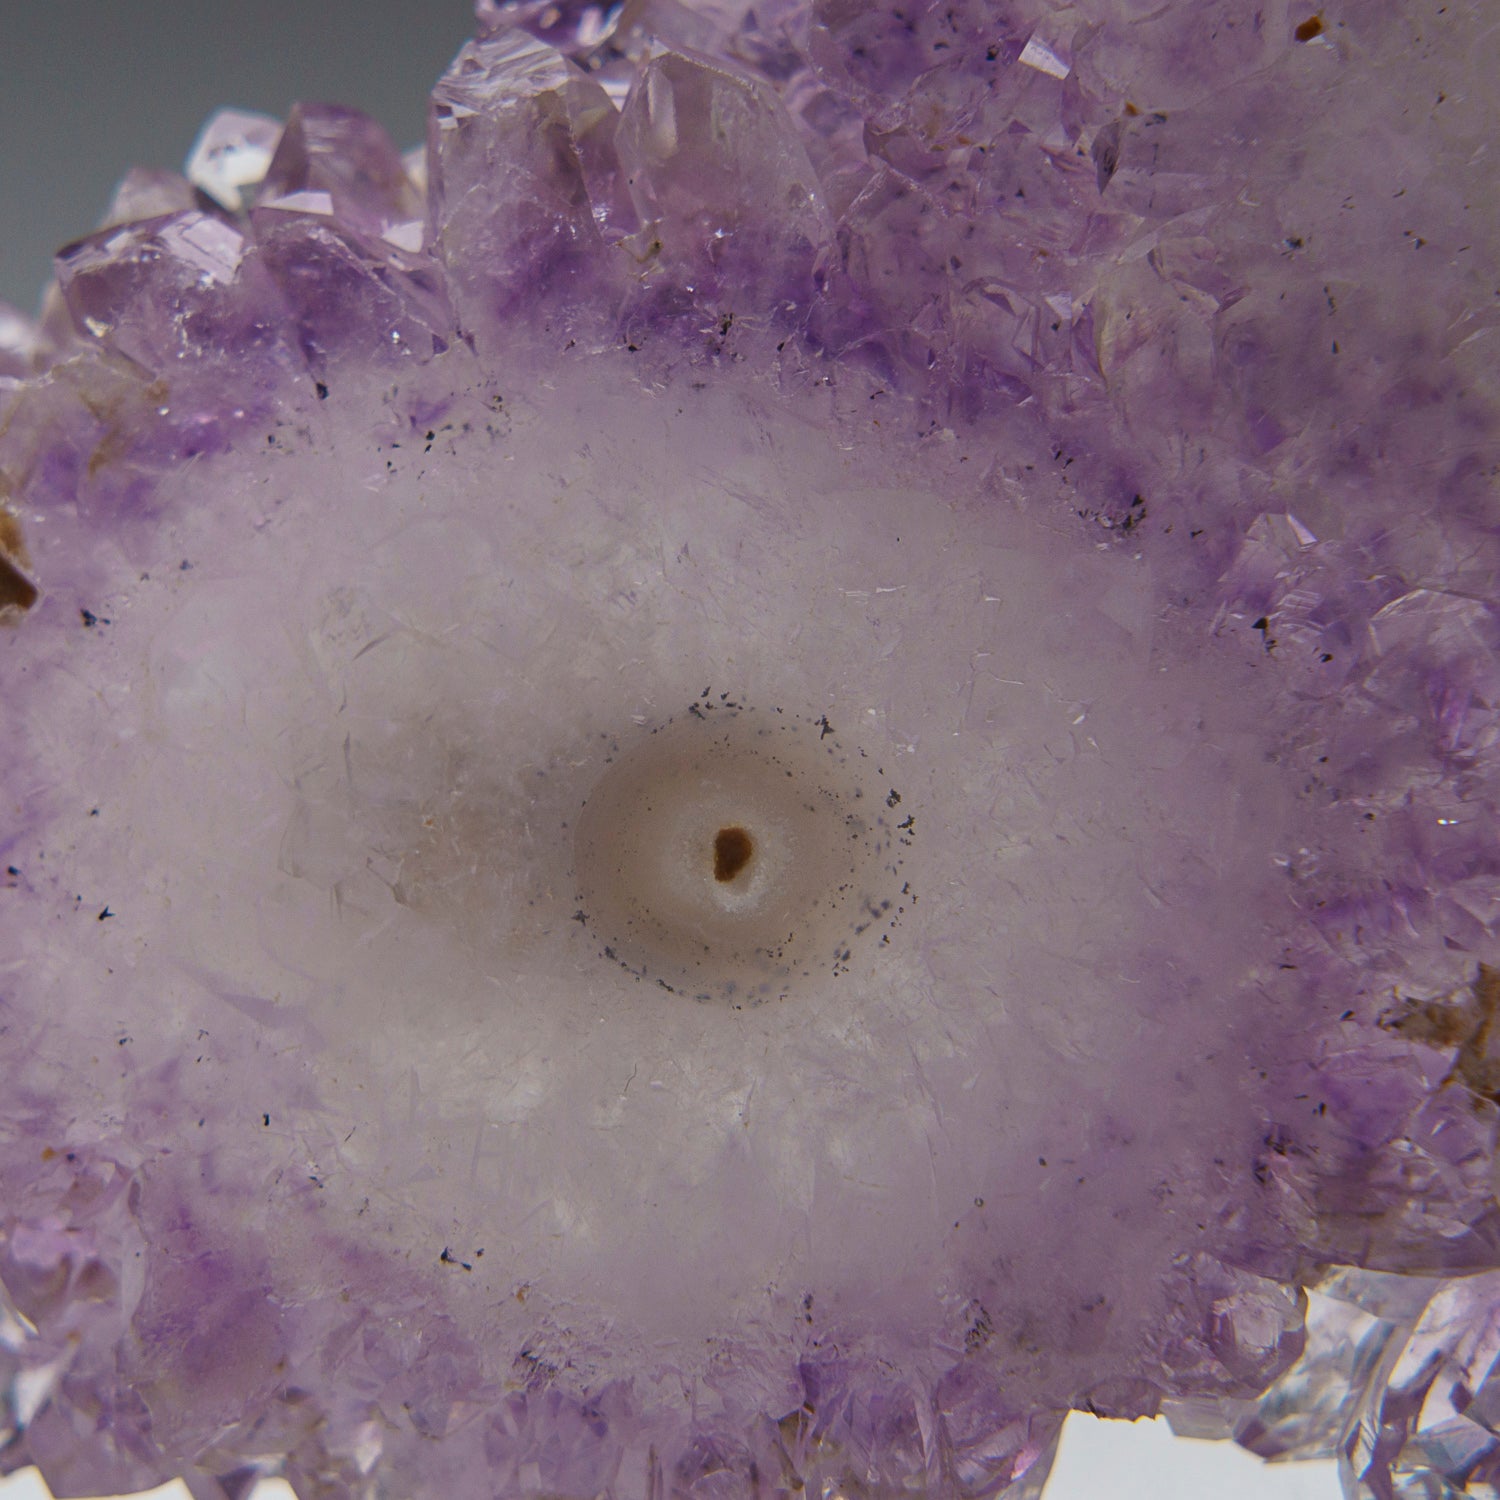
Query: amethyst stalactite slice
point(781, 764)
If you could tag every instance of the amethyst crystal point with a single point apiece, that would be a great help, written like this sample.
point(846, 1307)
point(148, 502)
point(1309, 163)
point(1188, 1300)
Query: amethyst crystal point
point(171, 291)
point(784, 768)
point(339, 152)
point(729, 198)
point(144, 194)
point(232, 153)
point(339, 224)
point(516, 132)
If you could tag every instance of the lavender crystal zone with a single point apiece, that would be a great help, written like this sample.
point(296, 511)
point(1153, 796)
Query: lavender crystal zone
point(1182, 414)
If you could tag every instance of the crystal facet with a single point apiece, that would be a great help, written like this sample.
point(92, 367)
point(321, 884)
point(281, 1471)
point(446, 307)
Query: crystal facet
point(233, 152)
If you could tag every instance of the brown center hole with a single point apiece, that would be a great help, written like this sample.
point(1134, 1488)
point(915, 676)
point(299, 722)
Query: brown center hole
point(733, 848)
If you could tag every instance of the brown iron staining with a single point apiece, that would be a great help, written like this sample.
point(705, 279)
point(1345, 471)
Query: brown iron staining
point(1311, 27)
point(1465, 1025)
point(733, 850)
point(17, 592)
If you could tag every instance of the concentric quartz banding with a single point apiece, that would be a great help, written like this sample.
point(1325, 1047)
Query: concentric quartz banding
point(377, 743)
point(728, 853)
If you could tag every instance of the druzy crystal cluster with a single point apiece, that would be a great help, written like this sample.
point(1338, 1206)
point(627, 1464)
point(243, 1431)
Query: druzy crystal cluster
point(1024, 473)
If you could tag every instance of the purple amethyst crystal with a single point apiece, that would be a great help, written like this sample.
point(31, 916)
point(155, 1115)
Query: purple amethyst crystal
point(786, 763)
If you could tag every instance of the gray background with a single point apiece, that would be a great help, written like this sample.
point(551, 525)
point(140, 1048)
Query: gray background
point(89, 88)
